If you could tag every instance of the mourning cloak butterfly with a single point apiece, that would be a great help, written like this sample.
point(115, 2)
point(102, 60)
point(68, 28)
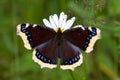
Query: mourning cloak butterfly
point(56, 40)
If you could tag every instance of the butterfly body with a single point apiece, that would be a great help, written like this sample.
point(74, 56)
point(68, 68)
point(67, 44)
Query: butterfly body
point(59, 36)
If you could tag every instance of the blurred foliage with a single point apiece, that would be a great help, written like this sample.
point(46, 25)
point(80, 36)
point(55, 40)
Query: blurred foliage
point(101, 64)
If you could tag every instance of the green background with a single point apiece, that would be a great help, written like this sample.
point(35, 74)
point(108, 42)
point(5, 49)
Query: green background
point(103, 63)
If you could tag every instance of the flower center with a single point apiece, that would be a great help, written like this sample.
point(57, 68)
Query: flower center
point(59, 29)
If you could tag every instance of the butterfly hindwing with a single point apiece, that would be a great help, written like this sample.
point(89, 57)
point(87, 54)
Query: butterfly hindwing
point(34, 35)
point(82, 37)
point(46, 54)
point(70, 55)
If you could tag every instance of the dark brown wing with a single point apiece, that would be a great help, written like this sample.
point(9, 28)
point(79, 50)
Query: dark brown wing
point(46, 54)
point(84, 38)
point(70, 55)
point(34, 35)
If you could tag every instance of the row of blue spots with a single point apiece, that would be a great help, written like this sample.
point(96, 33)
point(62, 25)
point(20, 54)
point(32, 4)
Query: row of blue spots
point(23, 29)
point(43, 58)
point(71, 61)
point(93, 33)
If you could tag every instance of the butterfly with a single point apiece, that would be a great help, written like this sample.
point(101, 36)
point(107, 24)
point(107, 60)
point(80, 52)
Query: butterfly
point(57, 40)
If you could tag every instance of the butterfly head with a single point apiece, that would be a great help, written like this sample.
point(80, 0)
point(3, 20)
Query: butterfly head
point(59, 23)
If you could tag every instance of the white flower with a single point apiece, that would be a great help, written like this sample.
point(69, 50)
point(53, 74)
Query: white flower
point(61, 22)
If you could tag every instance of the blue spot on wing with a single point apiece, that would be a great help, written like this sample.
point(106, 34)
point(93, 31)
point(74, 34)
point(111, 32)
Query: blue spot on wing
point(23, 29)
point(92, 34)
point(43, 58)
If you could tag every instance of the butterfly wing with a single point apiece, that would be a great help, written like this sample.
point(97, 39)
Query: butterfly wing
point(42, 40)
point(84, 38)
point(70, 55)
point(46, 54)
point(34, 35)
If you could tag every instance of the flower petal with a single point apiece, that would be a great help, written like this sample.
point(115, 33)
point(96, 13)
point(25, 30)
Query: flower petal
point(69, 23)
point(52, 22)
point(55, 18)
point(47, 23)
point(63, 24)
point(62, 20)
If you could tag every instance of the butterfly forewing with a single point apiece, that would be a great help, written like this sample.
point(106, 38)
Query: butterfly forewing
point(34, 35)
point(84, 38)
